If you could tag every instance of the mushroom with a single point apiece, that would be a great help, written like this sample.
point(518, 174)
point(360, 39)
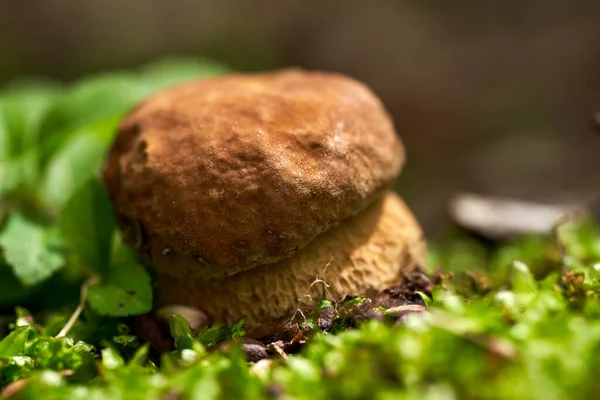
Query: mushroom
point(257, 195)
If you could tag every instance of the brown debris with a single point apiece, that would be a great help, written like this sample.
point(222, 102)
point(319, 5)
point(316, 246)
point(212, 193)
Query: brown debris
point(255, 350)
point(397, 302)
point(325, 319)
point(408, 292)
point(480, 281)
point(573, 288)
point(277, 348)
point(295, 344)
point(356, 313)
point(286, 333)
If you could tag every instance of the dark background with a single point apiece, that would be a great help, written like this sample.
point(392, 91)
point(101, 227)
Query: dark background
point(489, 96)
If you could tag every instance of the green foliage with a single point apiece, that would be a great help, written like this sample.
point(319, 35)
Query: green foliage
point(22, 110)
point(14, 343)
point(521, 321)
point(125, 290)
point(76, 162)
point(208, 336)
point(87, 224)
point(529, 338)
point(33, 250)
point(25, 350)
point(55, 216)
point(217, 332)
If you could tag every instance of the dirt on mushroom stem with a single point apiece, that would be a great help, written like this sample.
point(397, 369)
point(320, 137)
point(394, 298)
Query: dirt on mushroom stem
point(293, 336)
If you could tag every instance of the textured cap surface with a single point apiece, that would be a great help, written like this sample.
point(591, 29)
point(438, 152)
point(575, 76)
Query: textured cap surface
point(220, 175)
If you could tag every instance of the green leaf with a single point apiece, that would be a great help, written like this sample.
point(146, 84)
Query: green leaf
point(33, 251)
point(120, 252)
point(126, 290)
point(140, 357)
point(14, 343)
point(92, 100)
point(88, 224)
point(521, 280)
point(19, 172)
point(181, 332)
point(237, 330)
point(325, 304)
point(581, 238)
point(22, 109)
point(77, 161)
point(426, 299)
point(5, 137)
point(89, 102)
point(111, 359)
point(210, 335)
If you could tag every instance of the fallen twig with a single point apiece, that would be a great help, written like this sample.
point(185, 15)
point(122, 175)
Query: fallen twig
point(277, 348)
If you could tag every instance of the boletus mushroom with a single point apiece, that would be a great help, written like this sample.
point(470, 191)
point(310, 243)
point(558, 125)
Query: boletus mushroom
point(257, 195)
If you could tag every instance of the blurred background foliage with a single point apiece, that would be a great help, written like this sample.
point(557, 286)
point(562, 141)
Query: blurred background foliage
point(490, 97)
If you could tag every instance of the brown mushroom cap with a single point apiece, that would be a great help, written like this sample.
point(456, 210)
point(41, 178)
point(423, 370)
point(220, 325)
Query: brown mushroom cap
point(360, 257)
point(217, 176)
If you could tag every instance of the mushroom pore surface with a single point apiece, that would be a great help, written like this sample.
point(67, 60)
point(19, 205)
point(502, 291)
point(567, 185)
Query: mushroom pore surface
point(220, 175)
point(362, 256)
